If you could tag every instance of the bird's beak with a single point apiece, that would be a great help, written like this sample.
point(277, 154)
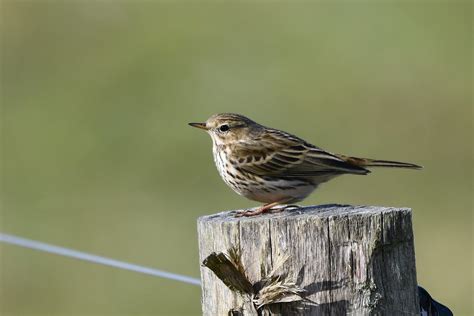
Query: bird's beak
point(199, 125)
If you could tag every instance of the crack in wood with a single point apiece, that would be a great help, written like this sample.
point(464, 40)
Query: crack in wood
point(349, 260)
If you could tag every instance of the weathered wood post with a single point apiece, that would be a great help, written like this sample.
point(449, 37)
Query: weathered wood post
point(333, 260)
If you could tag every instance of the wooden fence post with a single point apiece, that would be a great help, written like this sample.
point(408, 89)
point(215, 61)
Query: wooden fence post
point(336, 260)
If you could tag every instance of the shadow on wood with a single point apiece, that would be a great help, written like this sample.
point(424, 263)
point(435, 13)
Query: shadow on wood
point(348, 260)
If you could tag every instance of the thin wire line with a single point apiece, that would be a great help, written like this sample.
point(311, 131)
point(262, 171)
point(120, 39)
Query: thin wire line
point(36, 245)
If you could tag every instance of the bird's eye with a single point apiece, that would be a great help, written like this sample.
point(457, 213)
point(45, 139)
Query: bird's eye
point(224, 128)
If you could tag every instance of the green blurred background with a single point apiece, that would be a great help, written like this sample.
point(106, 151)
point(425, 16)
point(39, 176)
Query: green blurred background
point(97, 156)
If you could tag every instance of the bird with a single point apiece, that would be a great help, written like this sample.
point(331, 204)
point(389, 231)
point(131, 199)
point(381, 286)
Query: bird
point(274, 167)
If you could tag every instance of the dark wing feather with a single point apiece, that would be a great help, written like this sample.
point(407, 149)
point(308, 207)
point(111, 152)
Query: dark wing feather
point(276, 153)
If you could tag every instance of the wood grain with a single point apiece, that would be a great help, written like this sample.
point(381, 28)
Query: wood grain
point(356, 260)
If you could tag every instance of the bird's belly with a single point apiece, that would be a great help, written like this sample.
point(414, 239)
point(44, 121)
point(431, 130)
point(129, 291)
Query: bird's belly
point(289, 192)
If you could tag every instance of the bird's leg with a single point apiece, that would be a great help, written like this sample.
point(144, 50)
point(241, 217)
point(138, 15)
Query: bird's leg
point(260, 210)
point(263, 209)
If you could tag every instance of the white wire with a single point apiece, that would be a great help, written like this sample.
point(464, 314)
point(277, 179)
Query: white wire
point(36, 245)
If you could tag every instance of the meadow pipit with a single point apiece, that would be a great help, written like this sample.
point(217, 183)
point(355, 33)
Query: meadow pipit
point(274, 167)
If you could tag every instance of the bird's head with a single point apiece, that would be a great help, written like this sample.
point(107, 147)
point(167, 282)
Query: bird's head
point(226, 128)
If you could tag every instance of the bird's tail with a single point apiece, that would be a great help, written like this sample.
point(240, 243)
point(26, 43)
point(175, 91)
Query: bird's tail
point(366, 162)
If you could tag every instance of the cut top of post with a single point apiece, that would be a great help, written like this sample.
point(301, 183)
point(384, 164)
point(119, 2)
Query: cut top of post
point(321, 211)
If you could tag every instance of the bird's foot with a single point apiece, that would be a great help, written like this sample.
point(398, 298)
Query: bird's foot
point(252, 212)
point(260, 210)
point(274, 207)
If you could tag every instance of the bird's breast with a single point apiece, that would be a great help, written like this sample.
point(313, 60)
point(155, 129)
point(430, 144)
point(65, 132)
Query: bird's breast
point(254, 187)
point(228, 171)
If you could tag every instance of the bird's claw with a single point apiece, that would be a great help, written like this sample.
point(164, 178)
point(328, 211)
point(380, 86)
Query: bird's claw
point(272, 210)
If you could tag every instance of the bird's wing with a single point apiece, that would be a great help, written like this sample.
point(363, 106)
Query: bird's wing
point(277, 153)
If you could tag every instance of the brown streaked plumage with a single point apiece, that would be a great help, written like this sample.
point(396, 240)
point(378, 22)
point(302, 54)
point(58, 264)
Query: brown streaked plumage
point(274, 167)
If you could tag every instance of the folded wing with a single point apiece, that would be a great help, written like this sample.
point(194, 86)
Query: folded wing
point(281, 155)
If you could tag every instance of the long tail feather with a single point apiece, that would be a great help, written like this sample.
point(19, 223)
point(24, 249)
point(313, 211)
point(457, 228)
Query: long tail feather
point(393, 164)
point(365, 162)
